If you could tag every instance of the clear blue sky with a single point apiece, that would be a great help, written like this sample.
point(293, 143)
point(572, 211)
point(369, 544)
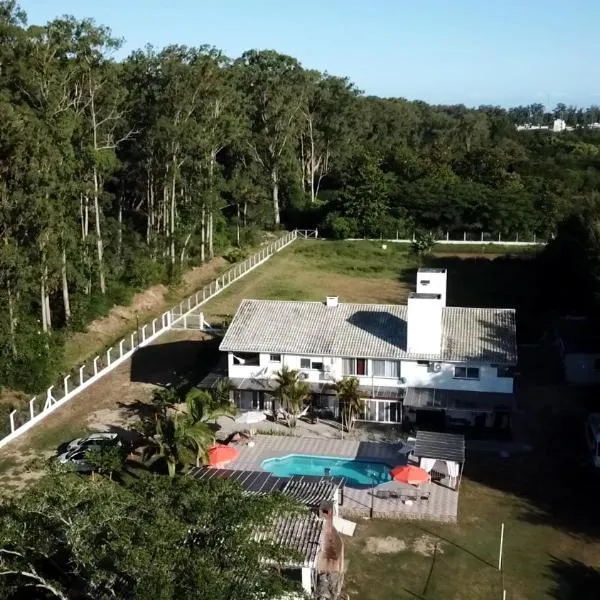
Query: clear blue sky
point(443, 51)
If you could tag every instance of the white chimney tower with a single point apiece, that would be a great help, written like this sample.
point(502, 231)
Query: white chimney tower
point(424, 324)
point(432, 281)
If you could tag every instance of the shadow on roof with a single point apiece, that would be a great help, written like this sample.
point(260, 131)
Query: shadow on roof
point(381, 324)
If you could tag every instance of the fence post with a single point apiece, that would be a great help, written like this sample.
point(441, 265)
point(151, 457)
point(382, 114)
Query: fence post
point(499, 235)
point(133, 340)
point(96, 365)
point(31, 407)
point(517, 236)
point(153, 326)
point(121, 348)
point(12, 421)
point(185, 321)
point(482, 236)
point(108, 355)
point(464, 236)
point(66, 384)
point(534, 238)
point(81, 374)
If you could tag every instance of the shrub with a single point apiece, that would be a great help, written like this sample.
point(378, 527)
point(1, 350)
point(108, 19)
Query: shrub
point(142, 272)
point(235, 255)
point(340, 228)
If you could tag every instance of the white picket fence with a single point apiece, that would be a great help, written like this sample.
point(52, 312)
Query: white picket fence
point(90, 372)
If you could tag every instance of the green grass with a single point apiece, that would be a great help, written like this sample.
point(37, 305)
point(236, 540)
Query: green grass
point(49, 438)
point(364, 272)
point(465, 565)
point(7, 463)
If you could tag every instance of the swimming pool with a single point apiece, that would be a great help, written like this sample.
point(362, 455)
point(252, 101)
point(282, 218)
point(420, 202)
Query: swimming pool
point(356, 472)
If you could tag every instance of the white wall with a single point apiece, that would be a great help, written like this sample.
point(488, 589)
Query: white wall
point(414, 374)
point(417, 375)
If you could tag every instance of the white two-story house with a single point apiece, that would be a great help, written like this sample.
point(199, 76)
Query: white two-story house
point(422, 361)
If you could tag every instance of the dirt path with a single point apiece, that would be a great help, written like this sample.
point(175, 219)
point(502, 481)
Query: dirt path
point(111, 404)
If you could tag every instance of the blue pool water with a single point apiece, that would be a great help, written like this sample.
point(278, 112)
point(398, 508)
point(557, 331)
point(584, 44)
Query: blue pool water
point(356, 472)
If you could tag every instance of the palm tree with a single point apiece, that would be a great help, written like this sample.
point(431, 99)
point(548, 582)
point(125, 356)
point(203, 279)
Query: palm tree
point(203, 406)
point(350, 399)
point(198, 437)
point(291, 393)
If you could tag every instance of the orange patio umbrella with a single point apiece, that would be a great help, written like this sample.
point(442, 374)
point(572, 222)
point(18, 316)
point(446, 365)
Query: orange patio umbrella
point(410, 474)
point(220, 454)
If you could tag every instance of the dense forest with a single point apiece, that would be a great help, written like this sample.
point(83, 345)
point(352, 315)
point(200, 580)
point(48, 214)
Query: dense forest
point(116, 174)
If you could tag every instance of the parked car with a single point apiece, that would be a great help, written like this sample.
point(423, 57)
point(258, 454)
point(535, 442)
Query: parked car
point(94, 441)
point(74, 453)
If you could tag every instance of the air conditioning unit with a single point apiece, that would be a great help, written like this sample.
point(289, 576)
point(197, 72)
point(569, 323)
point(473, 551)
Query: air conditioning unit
point(434, 367)
point(327, 368)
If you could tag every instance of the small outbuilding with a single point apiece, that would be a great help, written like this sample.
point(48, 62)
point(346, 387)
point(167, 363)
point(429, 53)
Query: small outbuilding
point(449, 448)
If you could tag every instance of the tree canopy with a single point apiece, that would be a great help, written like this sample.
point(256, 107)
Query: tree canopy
point(118, 174)
point(157, 539)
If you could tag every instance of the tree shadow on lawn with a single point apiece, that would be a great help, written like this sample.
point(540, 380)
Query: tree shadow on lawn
point(502, 282)
point(574, 580)
point(559, 485)
point(174, 363)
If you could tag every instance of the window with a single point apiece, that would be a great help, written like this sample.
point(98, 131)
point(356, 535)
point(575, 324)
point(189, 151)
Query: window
point(466, 373)
point(308, 363)
point(423, 363)
point(274, 357)
point(354, 366)
point(386, 368)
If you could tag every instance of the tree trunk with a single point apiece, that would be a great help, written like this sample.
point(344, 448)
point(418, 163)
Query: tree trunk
point(237, 223)
point(65, 286)
point(245, 213)
point(202, 234)
point(275, 184)
point(312, 163)
point(302, 164)
point(211, 250)
point(43, 301)
point(120, 226)
point(99, 245)
point(172, 215)
point(12, 320)
point(44, 297)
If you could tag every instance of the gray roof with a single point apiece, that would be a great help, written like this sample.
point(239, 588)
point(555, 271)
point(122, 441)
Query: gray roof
point(367, 330)
point(419, 397)
point(301, 533)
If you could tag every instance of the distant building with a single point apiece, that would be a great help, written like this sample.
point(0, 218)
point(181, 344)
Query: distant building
point(559, 125)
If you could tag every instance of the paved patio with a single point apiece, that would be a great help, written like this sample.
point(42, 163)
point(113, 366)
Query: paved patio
point(441, 506)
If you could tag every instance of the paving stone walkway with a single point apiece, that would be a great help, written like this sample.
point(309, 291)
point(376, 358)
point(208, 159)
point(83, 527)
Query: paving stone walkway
point(358, 502)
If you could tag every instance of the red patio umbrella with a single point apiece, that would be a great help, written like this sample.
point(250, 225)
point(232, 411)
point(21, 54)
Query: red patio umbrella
point(220, 454)
point(410, 474)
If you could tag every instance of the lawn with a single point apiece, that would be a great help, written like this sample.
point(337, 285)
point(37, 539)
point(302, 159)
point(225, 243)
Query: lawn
point(366, 272)
point(417, 559)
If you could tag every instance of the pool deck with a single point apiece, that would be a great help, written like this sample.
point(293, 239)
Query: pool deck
point(441, 506)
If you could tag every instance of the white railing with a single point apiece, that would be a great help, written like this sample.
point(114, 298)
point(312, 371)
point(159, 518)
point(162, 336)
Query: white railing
point(74, 383)
point(466, 239)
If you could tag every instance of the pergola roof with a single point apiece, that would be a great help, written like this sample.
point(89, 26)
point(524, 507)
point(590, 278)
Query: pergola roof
point(442, 446)
point(308, 490)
